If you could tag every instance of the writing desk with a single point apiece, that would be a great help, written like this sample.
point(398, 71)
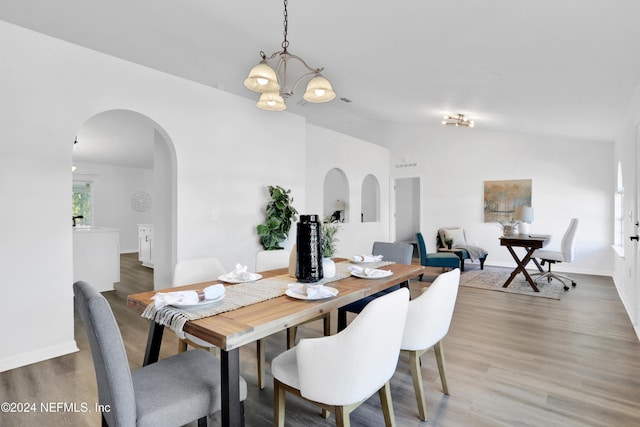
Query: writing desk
point(530, 242)
point(232, 329)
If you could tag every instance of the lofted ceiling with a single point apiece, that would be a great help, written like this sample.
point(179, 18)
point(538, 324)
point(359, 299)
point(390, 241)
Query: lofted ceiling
point(551, 67)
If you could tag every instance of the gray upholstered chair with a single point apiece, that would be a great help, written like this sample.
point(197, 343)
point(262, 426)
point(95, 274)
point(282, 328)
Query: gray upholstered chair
point(341, 371)
point(428, 320)
point(400, 253)
point(172, 392)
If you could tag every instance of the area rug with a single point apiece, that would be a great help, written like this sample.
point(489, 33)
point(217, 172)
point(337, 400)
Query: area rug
point(492, 278)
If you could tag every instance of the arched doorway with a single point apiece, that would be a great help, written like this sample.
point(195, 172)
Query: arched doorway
point(130, 159)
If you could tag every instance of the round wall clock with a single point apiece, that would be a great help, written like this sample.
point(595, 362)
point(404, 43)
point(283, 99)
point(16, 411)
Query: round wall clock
point(141, 201)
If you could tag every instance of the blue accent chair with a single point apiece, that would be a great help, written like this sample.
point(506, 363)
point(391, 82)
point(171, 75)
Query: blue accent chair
point(435, 259)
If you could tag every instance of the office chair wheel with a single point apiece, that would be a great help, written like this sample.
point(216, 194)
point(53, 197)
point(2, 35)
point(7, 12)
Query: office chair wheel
point(566, 288)
point(574, 284)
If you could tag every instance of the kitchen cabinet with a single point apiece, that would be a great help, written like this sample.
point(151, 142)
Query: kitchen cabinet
point(96, 256)
point(145, 244)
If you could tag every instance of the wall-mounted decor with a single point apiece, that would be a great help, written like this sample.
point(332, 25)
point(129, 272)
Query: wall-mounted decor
point(502, 197)
point(141, 201)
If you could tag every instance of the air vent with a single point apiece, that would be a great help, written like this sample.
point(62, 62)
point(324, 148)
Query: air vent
point(407, 165)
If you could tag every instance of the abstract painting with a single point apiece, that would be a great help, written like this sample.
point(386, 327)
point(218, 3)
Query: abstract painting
point(502, 197)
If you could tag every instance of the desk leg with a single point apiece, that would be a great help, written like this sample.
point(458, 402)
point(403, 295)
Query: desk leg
point(232, 413)
point(521, 268)
point(154, 340)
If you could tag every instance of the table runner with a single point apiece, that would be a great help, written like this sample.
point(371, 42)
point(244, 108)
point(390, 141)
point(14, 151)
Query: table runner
point(236, 296)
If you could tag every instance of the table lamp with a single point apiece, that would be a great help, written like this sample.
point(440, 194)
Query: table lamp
point(524, 214)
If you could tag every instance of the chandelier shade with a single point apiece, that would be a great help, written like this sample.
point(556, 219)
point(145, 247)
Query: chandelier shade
point(271, 101)
point(319, 90)
point(262, 78)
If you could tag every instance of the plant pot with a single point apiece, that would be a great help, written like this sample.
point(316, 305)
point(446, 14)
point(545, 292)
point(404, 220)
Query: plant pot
point(328, 268)
point(509, 230)
point(449, 245)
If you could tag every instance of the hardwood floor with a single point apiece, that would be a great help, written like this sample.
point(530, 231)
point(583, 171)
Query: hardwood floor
point(512, 360)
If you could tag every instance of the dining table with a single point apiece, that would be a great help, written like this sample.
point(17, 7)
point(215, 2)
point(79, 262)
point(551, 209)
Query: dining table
point(530, 243)
point(232, 329)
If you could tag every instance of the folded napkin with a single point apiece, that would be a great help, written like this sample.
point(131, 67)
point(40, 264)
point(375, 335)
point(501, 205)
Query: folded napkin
point(312, 291)
point(241, 274)
point(188, 297)
point(369, 272)
point(366, 258)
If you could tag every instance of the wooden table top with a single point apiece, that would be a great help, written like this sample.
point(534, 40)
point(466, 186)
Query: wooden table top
point(238, 327)
point(535, 241)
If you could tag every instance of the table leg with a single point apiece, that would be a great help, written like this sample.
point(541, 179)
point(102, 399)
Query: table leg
point(152, 352)
point(230, 376)
point(521, 264)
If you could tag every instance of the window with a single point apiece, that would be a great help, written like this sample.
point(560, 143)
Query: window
point(81, 205)
point(618, 228)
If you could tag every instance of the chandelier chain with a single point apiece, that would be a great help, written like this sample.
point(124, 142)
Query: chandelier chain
point(285, 42)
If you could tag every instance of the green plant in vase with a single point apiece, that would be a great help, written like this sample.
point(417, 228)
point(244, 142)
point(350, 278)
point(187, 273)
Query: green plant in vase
point(280, 215)
point(448, 241)
point(328, 241)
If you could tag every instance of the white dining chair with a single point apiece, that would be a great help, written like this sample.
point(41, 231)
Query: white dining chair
point(428, 320)
point(341, 371)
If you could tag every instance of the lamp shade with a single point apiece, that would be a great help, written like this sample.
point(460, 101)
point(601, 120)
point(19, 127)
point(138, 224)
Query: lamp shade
point(271, 101)
point(319, 90)
point(262, 78)
point(524, 214)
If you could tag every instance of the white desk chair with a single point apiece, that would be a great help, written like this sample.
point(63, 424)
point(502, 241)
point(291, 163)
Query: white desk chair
point(428, 320)
point(566, 254)
point(341, 371)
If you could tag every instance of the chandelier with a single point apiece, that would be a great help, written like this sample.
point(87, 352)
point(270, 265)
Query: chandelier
point(457, 120)
point(274, 84)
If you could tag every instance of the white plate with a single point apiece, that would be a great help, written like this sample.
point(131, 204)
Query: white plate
point(225, 278)
point(294, 294)
point(203, 303)
point(363, 276)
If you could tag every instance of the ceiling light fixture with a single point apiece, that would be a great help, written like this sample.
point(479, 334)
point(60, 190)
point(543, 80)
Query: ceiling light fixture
point(271, 81)
point(457, 120)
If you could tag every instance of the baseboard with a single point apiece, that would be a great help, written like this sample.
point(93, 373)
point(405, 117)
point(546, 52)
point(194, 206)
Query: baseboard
point(36, 356)
point(626, 308)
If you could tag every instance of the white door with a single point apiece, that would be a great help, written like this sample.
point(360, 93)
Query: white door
point(406, 215)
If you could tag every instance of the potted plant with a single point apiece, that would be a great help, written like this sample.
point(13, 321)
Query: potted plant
point(279, 217)
point(448, 241)
point(328, 242)
point(509, 227)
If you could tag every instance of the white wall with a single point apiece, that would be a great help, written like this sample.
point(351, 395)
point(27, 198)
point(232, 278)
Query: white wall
point(571, 178)
point(327, 149)
point(112, 189)
point(626, 268)
point(227, 153)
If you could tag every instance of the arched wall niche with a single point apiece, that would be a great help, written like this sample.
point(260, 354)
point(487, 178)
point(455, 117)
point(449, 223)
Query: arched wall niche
point(336, 195)
point(370, 203)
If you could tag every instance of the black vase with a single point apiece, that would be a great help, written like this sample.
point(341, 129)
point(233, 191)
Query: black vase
point(309, 251)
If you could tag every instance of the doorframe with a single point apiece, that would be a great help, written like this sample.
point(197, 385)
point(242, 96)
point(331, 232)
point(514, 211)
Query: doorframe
point(392, 204)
